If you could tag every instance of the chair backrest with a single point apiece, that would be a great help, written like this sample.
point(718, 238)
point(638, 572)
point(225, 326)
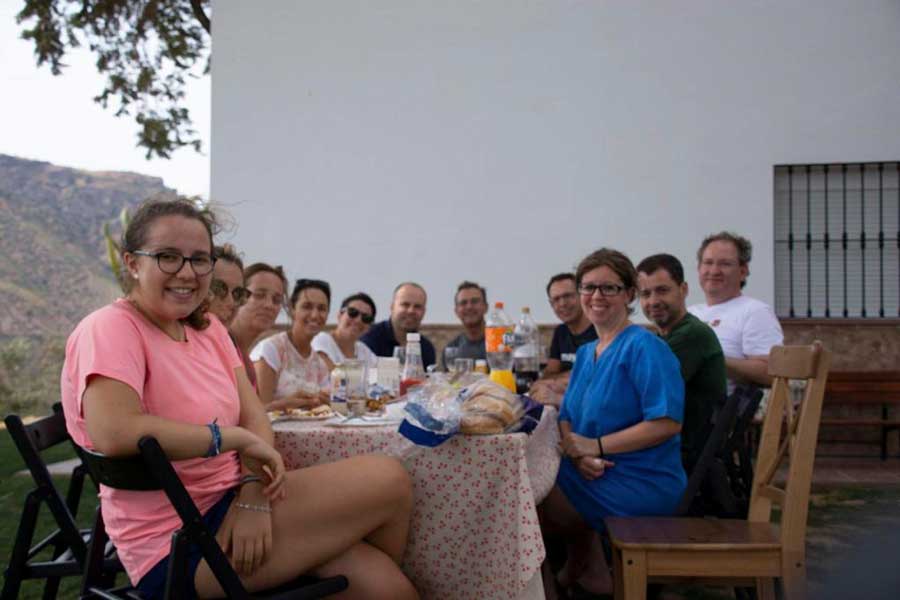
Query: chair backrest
point(718, 435)
point(790, 433)
point(151, 470)
point(31, 440)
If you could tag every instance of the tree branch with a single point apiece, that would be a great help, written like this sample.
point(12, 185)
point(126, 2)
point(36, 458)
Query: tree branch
point(197, 8)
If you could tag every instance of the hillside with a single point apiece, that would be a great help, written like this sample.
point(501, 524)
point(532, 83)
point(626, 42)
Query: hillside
point(54, 268)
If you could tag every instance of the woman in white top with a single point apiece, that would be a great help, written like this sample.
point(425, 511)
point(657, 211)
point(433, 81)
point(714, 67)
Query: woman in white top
point(356, 315)
point(290, 374)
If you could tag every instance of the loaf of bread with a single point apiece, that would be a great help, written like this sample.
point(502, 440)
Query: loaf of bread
point(489, 408)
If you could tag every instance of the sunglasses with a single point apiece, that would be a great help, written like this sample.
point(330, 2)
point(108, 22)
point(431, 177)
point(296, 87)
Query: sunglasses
point(355, 312)
point(220, 290)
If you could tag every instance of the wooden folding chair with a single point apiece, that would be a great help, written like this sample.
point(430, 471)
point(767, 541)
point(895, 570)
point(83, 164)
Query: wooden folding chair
point(151, 470)
point(738, 552)
point(62, 553)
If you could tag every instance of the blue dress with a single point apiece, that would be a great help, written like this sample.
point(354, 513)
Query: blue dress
point(637, 378)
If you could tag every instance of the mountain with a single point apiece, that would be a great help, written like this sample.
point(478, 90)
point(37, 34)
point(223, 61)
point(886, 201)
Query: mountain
point(54, 269)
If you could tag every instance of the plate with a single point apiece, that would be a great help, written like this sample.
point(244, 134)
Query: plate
point(363, 422)
point(297, 414)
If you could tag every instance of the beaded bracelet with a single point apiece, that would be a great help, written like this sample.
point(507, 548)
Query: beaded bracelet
point(254, 507)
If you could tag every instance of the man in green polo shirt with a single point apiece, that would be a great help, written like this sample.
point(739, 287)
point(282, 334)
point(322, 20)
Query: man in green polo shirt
point(662, 292)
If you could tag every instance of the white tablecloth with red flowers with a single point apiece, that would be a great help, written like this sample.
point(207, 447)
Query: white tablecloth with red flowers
point(474, 532)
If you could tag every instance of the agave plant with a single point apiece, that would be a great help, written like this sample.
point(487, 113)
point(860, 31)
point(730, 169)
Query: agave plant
point(112, 246)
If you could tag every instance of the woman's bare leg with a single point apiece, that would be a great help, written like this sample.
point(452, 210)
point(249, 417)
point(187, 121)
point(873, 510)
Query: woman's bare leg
point(586, 563)
point(372, 573)
point(330, 509)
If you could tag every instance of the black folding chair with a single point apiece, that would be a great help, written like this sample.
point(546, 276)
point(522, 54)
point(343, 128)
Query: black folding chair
point(67, 545)
point(704, 468)
point(151, 470)
point(738, 452)
point(711, 490)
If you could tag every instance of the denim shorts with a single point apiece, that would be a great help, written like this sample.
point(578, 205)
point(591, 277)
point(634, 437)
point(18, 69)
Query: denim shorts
point(153, 584)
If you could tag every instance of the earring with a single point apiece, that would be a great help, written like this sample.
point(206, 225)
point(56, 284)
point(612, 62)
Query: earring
point(135, 275)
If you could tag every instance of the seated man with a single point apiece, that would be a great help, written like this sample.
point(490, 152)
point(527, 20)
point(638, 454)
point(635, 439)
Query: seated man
point(574, 331)
point(747, 328)
point(407, 312)
point(663, 291)
point(470, 305)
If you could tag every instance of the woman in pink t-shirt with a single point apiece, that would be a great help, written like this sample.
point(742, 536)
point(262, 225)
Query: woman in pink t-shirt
point(155, 363)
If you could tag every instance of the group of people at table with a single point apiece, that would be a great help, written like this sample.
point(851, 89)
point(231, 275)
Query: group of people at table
point(175, 358)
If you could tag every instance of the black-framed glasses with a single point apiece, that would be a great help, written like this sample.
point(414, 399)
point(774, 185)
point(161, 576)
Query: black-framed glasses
point(355, 312)
point(606, 289)
point(219, 288)
point(554, 300)
point(172, 262)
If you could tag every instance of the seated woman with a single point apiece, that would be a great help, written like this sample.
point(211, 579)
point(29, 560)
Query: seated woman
point(356, 315)
point(619, 423)
point(152, 363)
point(267, 286)
point(290, 374)
point(227, 294)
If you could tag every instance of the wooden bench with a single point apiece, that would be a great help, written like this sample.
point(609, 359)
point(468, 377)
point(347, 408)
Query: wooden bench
point(879, 389)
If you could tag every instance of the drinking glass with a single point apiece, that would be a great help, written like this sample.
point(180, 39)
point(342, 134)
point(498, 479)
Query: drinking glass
point(461, 366)
point(357, 378)
point(450, 354)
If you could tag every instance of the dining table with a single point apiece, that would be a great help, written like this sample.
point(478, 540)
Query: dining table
point(474, 531)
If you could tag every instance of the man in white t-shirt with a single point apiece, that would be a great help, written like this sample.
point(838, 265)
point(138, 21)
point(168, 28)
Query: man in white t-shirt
point(747, 328)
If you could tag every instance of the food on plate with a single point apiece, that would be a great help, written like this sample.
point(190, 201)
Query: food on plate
point(375, 404)
point(323, 411)
point(489, 408)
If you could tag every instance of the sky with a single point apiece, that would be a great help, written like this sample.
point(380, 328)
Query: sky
point(54, 118)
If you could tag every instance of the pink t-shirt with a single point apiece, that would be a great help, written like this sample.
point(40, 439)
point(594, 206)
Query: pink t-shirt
point(191, 382)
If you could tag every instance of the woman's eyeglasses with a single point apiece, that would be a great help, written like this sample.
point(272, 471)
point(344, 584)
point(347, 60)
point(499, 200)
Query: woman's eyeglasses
point(171, 263)
point(605, 289)
point(355, 312)
point(220, 290)
point(263, 295)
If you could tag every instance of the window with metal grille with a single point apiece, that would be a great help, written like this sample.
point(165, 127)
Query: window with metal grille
point(837, 238)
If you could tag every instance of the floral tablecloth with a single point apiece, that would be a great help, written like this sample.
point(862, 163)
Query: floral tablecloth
point(474, 531)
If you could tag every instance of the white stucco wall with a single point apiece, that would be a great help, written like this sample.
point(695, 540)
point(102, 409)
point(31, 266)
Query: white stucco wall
point(372, 142)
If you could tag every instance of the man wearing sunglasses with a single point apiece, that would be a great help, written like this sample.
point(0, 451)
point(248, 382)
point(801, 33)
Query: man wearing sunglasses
point(407, 312)
point(470, 305)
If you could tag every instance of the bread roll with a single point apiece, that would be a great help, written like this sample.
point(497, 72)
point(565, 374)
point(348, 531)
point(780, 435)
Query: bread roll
point(484, 404)
point(481, 423)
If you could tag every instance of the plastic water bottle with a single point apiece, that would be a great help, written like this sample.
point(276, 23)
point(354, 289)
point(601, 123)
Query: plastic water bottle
point(526, 355)
point(498, 345)
point(413, 371)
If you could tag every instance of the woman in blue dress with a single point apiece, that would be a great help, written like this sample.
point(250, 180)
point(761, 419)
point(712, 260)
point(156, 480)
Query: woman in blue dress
point(619, 423)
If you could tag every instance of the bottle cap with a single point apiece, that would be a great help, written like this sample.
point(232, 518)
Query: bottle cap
point(480, 362)
point(525, 309)
point(412, 337)
point(498, 305)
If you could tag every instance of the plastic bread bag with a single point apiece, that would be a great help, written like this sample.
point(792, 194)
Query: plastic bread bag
point(433, 411)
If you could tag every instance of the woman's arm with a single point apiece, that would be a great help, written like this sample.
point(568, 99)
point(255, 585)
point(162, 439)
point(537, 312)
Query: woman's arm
point(328, 362)
point(253, 416)
point(115, 423)
point(645, 434)
point(266, 381)
point(642, 435)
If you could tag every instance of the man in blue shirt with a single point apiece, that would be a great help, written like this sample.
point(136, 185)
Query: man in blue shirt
point(407, 312)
